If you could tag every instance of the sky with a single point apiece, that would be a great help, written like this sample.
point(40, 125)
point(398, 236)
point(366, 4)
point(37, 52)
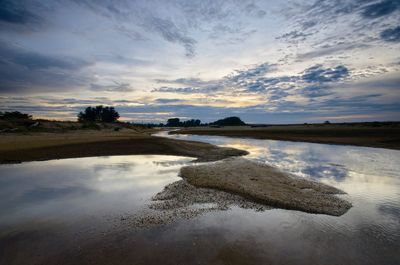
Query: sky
point(267, 61)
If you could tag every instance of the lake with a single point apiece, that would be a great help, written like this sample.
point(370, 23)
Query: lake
point(78, 211)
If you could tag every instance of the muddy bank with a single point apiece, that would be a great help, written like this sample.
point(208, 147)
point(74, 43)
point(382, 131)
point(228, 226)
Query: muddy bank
point(380, 137)
point(37, 148)
point(267, 185)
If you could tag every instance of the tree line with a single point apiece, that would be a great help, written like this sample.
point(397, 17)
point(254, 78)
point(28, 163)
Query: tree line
point(106, 114)
point(229, 121)
point(109, 114)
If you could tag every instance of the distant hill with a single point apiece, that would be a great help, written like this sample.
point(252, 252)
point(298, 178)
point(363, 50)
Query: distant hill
point(229, 121)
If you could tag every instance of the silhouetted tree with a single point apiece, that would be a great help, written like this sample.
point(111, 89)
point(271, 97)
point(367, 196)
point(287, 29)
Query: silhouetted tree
point(98, 114)
point(173, 122)
point(14, 115)
point(191, 123)
point(230, 121)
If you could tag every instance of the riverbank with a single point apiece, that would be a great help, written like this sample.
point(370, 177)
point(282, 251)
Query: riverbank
point(15, 148)
point(383, 136)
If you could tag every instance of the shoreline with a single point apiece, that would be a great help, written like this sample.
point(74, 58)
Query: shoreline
point(330, 134)
point(49, 146)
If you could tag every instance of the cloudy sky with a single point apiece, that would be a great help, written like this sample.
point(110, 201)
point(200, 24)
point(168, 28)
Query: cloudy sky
point(267, 61)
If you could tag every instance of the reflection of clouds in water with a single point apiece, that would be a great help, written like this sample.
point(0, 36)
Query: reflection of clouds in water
point(117, 168)
point(135, 171)
point(172, 163)
point(46, 193)
point(326, 171)
point(296, 158)
point(319, 160)
point(32, 190)
point(392, 210)
point(41, 195)
point(68, 191)
point(371, 176)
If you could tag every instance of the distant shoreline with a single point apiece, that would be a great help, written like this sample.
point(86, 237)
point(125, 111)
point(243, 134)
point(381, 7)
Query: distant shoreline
point(358, 135)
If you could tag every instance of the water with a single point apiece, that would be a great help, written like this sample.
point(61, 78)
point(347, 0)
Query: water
point(73, 211)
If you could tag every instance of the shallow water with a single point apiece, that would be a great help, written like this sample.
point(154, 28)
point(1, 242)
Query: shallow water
point(75, 211)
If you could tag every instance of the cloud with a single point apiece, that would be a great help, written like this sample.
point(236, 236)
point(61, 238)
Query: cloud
point(170, 32)
point(226, 20)
point(326, 22)
point(22, 70)
point(295, 35)
point(192, 85)
point(142, 15)
point(183, 81)
point(17, 12)
point(380, 9)
point(254, 10)
point(314, 91)
point(115, 87)
point(182, 90)
point(239, 76)
point(168, 100)
point(311, 83)
point(391, 34)
point(321, 75)
point(384, 82)
point(111, 44)
point(130, 33)
point(35, 61)
point(329, 49)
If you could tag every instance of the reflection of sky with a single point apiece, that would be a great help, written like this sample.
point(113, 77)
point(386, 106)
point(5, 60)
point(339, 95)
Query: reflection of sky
point(68, 191)
point(370, 176)
point(84, 186)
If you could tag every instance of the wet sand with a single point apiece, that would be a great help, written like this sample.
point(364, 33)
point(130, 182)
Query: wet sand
point(268, 185)
point(46, 146)
point(359, 135)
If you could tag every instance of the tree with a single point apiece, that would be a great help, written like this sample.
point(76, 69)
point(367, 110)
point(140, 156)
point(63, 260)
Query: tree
point(14, 115)
point(109, 114)
point(229, 121)
point(176, 122)
point(98, 114)
point(173, 122)
point(191, 123)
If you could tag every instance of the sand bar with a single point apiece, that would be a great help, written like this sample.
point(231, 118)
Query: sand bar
point(268, 185)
